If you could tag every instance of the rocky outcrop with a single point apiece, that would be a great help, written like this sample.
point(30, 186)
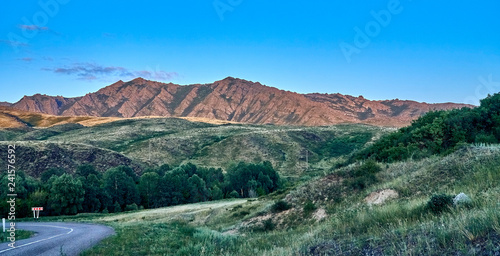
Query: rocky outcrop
point(36, 157)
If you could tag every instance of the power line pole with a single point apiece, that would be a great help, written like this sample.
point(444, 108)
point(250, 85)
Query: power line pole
point(307, 160)
point(149, 152)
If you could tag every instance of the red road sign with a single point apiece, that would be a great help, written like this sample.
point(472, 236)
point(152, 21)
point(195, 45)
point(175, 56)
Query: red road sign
point(37, 208)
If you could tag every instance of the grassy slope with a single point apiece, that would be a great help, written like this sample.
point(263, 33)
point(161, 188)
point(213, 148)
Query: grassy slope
point(401, 226)
point(175, 141)
point(14, 118)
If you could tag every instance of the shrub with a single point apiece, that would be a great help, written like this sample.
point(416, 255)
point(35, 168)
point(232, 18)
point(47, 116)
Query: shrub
point(361, 183)
point(233, 194)
point(362, 176)
point(268, 225)
point(261, 192)
point(367, 168)
point(131, 207)
point(440, 202)
point(280, 206)
point(309, 208)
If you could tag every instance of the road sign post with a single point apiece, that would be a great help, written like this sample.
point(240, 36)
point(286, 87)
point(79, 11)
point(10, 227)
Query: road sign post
point(37, 211)
point(3, 223)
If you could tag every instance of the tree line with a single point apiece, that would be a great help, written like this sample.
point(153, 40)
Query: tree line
point(440, 132)
point(121, 189)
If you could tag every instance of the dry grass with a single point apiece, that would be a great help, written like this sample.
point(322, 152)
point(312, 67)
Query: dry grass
point(13, 118)
point(196, 213)
point(7, 121)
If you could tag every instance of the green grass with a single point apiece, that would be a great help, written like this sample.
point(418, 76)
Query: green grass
point(20, 234)
point(402, 226)
point(177, 141)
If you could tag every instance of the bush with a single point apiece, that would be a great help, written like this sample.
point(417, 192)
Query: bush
point(233, 194)
point(268, 225)
point(280, 206)
point(367, 168)
point(131, 207)
point(440, 202)
point(309, 208)
point(362, 176)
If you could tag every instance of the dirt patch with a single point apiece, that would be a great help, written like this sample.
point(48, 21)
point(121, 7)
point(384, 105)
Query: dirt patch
point(324, 190)
point(319, 214)
point(379, 197)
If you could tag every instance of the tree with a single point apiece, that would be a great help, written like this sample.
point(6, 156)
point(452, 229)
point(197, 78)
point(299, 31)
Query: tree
point(211, 176)
point(189, 169)
point(164, 168)
point(19, 183)
point(129, 172)
point(39, 198)
point(95, 197)
point(198, 191)
point(266, 184)
point(86, 170)
point(439, 132)
point(51, 172)
point(117, 207)
point(148, 187)
point(168, 194)
point(216, 193)
point(181, 185)
point(247, 178)
point(66, 195)
point(121, 187)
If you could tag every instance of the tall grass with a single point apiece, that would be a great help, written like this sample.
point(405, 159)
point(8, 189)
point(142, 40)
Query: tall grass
point(403, 226)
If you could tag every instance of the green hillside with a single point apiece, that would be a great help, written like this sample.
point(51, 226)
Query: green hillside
point(157, 141)
point(440, 132)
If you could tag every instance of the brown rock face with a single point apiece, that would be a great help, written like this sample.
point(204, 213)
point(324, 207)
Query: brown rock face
point(230, 99)
point(44, 104)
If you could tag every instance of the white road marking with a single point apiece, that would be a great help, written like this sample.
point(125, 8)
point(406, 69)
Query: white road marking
point(41, 240)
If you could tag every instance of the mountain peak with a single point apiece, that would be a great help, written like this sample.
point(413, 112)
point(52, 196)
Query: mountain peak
point(139, 80)
point(229, 78)
point(234, 79)
point(230, 99)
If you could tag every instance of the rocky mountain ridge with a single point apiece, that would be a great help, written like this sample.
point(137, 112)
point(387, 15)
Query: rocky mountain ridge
point(230, 99)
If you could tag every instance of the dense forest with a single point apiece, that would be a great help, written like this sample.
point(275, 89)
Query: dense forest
point(439, 132)
point(121, 189)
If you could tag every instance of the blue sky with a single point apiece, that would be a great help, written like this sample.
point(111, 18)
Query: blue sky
point(419, 50)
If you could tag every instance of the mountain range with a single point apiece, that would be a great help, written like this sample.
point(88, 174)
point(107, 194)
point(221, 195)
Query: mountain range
point(230, 99)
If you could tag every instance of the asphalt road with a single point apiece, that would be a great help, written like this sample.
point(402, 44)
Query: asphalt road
point(54, 237)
